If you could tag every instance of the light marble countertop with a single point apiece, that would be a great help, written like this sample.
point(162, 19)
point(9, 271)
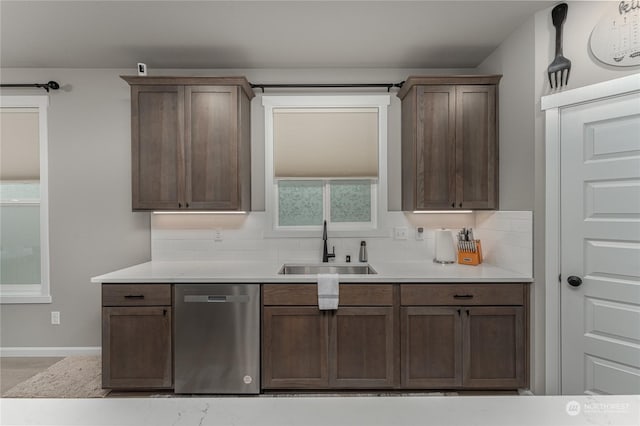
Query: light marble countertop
point(267, 272)
point(264, 410)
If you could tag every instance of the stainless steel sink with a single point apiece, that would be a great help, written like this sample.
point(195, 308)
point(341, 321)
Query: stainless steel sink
point(297, 269)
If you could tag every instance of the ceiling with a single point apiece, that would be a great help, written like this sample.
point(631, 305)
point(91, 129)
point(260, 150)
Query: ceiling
point(256, 34)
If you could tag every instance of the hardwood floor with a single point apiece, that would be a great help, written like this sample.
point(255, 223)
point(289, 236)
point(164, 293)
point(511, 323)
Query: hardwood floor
point(14, 370)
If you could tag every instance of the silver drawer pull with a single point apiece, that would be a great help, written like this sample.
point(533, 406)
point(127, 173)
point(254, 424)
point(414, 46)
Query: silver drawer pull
point(463, 296)
point(216, 298)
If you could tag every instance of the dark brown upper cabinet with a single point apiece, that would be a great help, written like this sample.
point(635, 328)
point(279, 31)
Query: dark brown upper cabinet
point(190, 143)
point(450, 142)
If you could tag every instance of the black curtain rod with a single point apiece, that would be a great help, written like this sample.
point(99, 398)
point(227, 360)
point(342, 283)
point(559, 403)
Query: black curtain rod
point(53, 85)
point(388, 86)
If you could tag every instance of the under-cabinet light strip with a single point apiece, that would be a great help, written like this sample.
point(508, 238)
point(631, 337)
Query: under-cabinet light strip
point(200, 212)
point(441, 211)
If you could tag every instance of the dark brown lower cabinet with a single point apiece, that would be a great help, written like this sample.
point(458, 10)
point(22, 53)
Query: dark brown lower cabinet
point(136, 347)
point(136, 336)
point(465, 346)
point(431, 347)
point(361, 350)
point(294, 348)
point(354, 347)
point(493, 347)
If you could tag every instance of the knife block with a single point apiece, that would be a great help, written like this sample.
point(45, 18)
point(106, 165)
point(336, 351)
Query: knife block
point(471, 257)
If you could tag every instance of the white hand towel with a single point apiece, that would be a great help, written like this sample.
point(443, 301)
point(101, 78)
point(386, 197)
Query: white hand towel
point(328, 287)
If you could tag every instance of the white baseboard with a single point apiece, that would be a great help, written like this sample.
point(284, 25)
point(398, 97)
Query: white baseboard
point(49, 351)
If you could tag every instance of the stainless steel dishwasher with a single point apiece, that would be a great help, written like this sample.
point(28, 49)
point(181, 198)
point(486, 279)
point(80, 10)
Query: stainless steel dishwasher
point(217, 338)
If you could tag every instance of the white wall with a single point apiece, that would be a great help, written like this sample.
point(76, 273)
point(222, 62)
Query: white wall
point(92, 229)
point(515, 61)
point(582, 16)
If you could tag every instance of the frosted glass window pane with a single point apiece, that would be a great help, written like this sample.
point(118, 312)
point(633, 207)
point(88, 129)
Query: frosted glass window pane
point(20, 233)
point(351, 201)
point(299, 203)
point(20, 244)
point(20, 191)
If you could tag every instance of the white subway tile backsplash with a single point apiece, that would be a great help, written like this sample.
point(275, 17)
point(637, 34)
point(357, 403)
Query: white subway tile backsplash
point(506, 238)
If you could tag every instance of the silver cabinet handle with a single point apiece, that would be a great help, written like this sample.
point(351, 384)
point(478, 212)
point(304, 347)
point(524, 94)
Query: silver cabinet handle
point(213, 298)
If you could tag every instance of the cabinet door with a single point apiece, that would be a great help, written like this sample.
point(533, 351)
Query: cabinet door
point(493, 347)
point(435, 148)
point(136, 347)
point(157, 147)
point(211, 139)
point(361, 351)
point(431, 347)
point(294, 348)
point(476, 147)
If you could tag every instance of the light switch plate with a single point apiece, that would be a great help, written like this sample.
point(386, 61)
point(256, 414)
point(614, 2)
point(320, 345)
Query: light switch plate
point(400, 233)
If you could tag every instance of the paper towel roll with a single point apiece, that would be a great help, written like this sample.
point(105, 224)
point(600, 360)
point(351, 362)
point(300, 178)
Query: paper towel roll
point(445, 249)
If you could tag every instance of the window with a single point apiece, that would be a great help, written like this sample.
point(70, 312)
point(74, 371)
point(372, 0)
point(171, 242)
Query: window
point(344, 204)
point(24, 234)
point(325, 160)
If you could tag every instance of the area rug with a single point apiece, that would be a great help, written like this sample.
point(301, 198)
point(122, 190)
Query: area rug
point(72, 377)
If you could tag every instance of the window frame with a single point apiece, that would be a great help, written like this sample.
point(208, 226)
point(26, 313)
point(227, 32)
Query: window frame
point(378, 186)
point(34, 293)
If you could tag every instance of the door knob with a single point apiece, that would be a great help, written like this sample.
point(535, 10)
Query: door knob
point(574, 281)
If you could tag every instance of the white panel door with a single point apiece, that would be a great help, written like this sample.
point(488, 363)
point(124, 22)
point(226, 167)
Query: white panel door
point(600, 246)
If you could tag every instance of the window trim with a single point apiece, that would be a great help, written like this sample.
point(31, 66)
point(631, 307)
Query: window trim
point(381, 102)
point(34, 293)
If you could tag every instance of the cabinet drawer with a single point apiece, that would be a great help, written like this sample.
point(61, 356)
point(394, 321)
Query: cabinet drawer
point(136, 295)
point(307, 294)
point(461, 294)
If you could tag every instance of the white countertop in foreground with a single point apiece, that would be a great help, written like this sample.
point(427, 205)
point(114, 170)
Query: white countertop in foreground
point(267, 272)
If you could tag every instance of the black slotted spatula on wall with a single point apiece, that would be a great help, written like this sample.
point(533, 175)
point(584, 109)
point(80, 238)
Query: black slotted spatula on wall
point(560, 67)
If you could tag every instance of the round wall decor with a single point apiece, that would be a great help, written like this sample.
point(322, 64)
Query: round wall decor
point(615, 40)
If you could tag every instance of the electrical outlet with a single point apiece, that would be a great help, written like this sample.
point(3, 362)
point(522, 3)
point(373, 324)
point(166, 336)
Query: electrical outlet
point(55, 317)
point(217, 234)
point(420, 233)
point(400, 233)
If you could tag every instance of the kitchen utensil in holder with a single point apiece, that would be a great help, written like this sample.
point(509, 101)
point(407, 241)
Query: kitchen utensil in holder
point(470, 252)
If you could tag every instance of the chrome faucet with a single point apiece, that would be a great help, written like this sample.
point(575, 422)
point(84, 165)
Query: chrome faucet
point(325, 253)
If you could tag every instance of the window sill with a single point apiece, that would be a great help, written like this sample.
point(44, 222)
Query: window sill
point(364, 233)
point(11, 299)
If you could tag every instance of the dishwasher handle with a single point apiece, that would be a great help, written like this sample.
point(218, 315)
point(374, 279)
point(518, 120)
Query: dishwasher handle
point(213, 298)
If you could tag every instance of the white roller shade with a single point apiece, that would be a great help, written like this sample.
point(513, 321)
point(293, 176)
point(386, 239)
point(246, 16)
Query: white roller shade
point(19, 144)
point(325, 142)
